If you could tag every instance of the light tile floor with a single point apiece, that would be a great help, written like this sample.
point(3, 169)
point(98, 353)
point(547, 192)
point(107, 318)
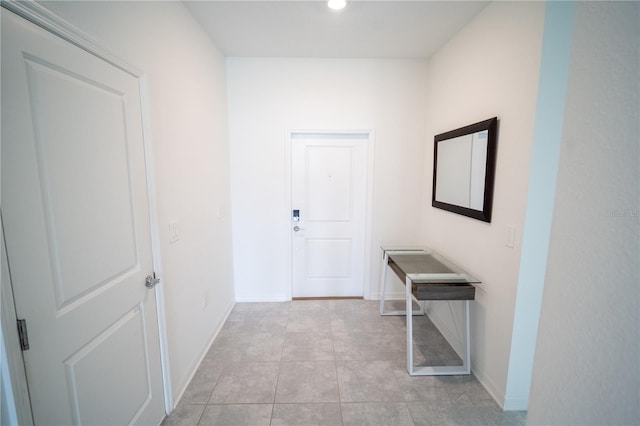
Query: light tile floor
point(333, 362)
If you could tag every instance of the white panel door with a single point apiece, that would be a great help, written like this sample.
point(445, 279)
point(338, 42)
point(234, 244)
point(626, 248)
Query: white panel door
point(329, 175)
point(76, 220)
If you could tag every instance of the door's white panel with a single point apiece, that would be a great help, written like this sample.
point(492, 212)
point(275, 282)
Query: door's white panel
point(80, 132)
point(328, 258)
point(76, 223)
point(95, 374)
point(329, 183)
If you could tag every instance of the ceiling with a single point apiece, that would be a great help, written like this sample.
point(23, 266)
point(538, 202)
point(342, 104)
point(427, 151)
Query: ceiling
point(308, 28)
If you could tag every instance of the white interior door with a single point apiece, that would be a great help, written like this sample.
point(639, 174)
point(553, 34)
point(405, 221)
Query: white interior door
point(329, 176)
point(76, 221)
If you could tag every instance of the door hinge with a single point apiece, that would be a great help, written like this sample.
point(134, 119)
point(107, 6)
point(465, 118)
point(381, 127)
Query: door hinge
point(23, 335)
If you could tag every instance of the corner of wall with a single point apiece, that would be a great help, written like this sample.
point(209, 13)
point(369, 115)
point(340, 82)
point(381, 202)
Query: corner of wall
point(554, 73)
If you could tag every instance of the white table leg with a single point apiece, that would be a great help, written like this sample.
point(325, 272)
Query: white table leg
point(409, 320)
point(385, 262)
point(466, 350)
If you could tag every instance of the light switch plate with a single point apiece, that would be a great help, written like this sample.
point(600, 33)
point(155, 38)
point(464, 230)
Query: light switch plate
point(174, 232)
point(510, 236)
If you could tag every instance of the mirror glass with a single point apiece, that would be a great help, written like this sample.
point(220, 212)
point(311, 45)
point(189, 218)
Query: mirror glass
point(464, 169)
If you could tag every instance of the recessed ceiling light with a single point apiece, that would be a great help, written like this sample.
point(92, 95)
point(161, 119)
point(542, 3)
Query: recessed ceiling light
point(337, 4)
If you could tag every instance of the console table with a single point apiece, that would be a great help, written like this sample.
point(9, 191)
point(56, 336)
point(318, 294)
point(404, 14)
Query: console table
point(428, 276)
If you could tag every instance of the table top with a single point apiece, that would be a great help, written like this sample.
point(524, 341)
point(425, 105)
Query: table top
point(424, 266)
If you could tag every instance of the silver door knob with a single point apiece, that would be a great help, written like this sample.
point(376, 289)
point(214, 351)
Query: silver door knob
point(151, 281)
point(297, 228)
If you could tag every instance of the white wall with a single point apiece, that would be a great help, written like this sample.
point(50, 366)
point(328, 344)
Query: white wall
point(268, 98)
point(187, 91)
point(488, 69)
point(587, 349)
point(545, 153)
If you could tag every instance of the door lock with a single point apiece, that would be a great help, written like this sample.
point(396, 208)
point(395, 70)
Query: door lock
point(297, 228)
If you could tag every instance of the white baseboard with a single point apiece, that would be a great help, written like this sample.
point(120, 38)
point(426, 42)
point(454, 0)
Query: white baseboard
point(389, 296)
point(516, 404)
point(506, 403)
point(201, 357)
point(488, 384)
point(254, 299)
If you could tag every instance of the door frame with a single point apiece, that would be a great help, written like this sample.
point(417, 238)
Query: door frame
point(47, 20)
point(288, 229)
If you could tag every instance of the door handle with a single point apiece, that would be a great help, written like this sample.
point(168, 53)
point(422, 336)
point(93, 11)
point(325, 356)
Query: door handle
point(151, 281)
point(297, 228)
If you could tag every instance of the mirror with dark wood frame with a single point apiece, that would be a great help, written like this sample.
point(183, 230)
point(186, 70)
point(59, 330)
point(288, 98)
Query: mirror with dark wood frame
point(464, 169)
